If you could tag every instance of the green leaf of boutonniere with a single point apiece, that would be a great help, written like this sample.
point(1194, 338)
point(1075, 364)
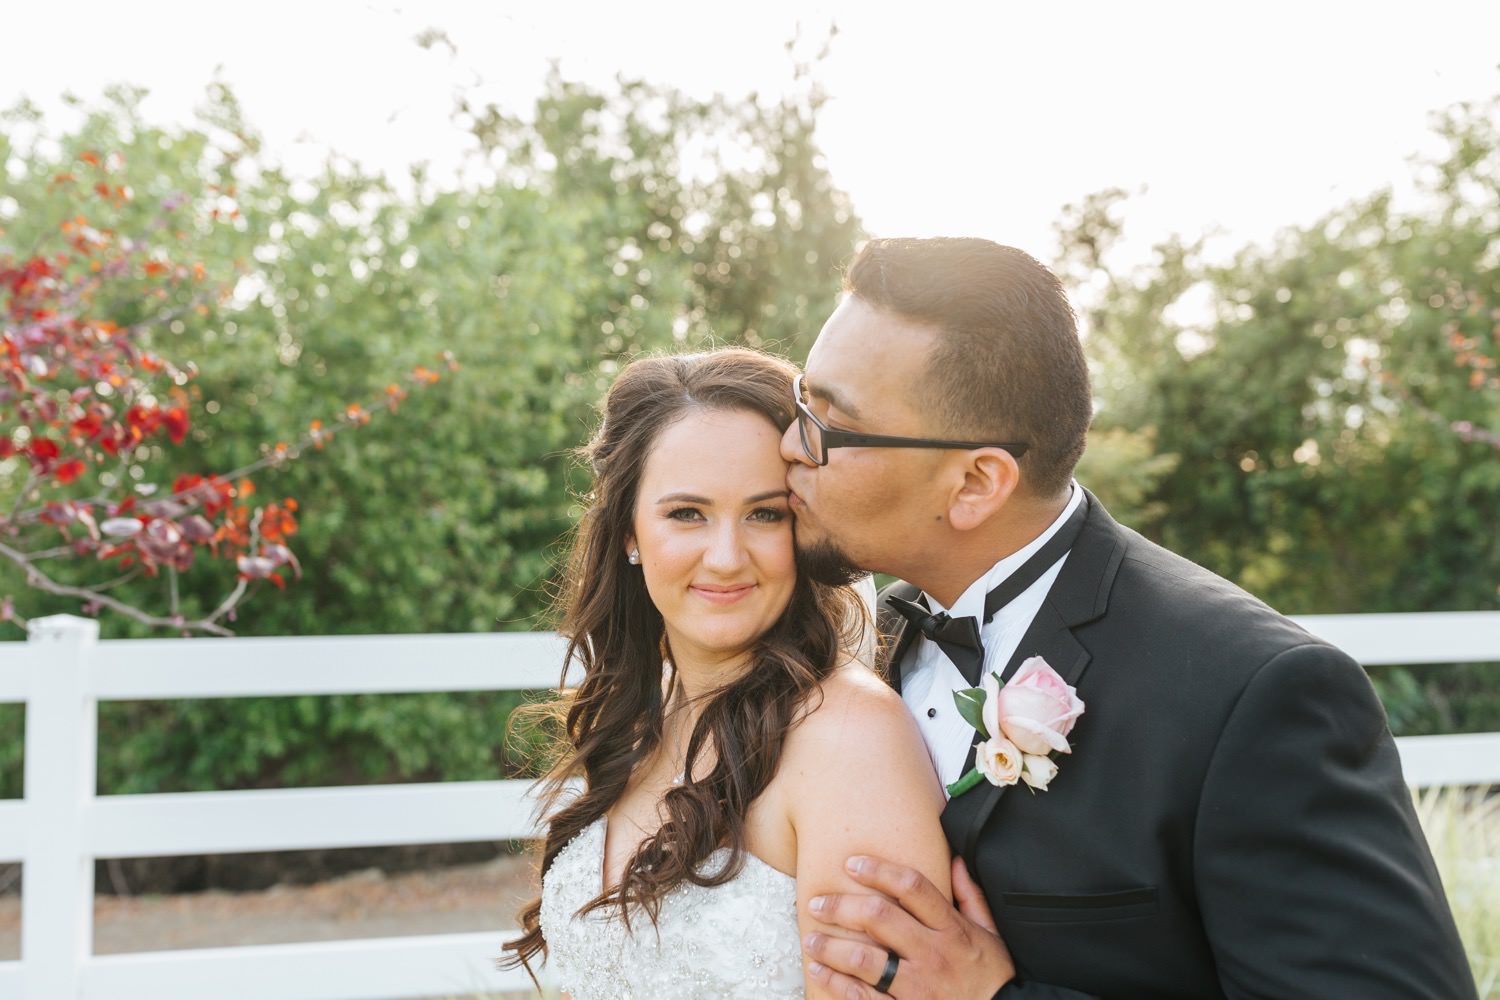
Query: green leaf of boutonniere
point(970, 702)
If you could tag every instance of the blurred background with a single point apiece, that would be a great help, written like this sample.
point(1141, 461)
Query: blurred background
point(1279, 223)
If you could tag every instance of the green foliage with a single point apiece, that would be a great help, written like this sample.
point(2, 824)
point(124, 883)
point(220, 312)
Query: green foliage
point(970, 704)
point(1125, 466)
point(12, 747)
point(1326, 405)
point(1440, 698)
point(601, 226)
point(196, 745)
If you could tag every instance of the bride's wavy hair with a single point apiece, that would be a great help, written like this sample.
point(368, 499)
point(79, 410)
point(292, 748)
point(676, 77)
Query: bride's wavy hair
point(614, 719)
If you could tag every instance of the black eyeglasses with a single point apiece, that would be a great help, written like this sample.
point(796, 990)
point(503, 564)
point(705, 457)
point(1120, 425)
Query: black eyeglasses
point(818, 437)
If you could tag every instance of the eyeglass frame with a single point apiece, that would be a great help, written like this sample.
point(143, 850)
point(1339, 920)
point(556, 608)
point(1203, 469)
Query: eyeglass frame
point(832, 438)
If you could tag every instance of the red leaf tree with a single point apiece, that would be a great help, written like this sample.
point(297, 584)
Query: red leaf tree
point(84, 395)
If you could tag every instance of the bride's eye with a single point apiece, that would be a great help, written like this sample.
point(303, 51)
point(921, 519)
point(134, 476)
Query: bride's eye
point(768, 515)
point(683, 514)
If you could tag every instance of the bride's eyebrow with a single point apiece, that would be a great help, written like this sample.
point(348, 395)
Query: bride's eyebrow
point(694, 498)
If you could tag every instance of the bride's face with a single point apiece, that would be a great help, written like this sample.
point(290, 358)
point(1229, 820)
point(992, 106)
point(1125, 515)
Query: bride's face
point(715, 533)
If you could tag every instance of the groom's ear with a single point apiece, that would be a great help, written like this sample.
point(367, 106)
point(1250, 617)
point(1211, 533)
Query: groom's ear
point(990, 477)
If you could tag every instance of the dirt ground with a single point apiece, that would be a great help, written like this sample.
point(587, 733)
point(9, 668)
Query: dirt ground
point(481, 897)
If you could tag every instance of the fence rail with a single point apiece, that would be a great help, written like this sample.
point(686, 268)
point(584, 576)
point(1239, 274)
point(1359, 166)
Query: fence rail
point(61, 826)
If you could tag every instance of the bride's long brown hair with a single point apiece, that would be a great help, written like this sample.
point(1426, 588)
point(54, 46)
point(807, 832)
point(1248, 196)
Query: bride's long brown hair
point(614, 720)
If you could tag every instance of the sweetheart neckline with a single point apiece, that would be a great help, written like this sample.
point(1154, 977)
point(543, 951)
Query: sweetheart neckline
point(604, 853)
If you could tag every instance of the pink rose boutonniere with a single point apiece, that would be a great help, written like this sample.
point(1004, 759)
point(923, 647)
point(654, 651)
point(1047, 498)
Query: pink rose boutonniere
point(1021, 723)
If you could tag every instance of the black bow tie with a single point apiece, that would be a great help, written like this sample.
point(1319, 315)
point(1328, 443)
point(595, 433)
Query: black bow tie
point(956, 637)
point(959, 638)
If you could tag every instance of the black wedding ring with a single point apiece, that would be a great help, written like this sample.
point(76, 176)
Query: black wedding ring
point(891, 962)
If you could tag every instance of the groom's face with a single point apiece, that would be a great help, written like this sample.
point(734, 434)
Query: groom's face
point(864, 507)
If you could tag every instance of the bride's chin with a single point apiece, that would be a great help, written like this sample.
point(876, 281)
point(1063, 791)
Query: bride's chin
point(727, 644)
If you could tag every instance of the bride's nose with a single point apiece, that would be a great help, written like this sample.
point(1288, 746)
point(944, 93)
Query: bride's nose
point(725, 551)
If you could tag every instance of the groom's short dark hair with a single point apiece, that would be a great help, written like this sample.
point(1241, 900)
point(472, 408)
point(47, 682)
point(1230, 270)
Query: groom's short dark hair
point(1009, 366)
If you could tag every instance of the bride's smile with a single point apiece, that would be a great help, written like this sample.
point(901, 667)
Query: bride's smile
point(722, 595)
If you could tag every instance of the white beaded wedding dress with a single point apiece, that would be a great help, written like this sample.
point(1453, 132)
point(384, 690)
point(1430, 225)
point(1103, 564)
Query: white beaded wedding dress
point(734, 940)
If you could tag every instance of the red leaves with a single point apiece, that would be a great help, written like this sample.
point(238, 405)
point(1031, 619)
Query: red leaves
point(68, 471)
point(81, 393)
point(43, 450)
point(176, 422)
point(88, 427)
point(213, 495)
point(62, 370)
point(145, 421)
point(277, 522)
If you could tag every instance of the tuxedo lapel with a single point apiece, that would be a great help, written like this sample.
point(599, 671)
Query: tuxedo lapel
point(1079, 595)
point(892, 623)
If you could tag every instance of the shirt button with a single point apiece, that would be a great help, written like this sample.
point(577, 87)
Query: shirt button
point(932, 713)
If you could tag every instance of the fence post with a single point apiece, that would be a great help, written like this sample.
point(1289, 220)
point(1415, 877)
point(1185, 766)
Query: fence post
point(57, 874)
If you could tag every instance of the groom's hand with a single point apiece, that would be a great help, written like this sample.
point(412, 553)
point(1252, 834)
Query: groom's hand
point(944, 952)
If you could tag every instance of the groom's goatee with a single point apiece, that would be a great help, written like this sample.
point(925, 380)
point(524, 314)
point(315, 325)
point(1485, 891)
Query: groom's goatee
point(823, 562)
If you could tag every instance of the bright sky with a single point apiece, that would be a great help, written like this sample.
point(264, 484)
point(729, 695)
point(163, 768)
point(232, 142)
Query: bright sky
point(945, 118)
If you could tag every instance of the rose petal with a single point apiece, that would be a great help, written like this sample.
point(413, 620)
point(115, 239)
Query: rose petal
point(1032, 736)
point(1038, 771)
point(999, 761)
point(991, 687)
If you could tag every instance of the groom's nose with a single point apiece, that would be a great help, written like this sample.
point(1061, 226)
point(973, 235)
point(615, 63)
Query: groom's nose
point(791, 445)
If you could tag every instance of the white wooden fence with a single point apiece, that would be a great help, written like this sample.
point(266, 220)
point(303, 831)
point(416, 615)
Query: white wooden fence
point(61, 826)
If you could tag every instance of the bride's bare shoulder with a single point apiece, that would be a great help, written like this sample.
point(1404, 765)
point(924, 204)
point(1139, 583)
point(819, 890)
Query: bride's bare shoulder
point(853, 702)
point(856, 777)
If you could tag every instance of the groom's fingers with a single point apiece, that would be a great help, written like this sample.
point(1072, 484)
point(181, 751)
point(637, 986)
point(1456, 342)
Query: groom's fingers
point(970, 897)
point(943, 952)
point(838, 962)
point(840, 985)
point(880, 918)
point(907, 886)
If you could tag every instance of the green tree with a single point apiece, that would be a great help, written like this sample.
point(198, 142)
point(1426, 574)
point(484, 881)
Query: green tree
point(1330, 415)
point(602, 225)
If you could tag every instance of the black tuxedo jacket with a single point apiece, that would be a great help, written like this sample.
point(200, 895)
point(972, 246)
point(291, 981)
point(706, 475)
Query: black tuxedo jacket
point(1232, 821)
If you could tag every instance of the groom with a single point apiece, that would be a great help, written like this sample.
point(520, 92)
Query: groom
point(1231, 820)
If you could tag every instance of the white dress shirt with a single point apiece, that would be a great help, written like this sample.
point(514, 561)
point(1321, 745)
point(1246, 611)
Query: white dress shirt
point(929, 678)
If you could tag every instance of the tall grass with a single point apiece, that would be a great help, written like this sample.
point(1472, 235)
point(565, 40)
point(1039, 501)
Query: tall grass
point(1463, 829)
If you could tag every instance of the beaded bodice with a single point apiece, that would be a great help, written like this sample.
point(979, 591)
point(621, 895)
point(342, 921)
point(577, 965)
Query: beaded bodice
point(738, 939)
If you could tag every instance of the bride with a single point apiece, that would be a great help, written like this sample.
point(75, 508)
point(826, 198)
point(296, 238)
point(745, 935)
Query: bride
point(726, 751)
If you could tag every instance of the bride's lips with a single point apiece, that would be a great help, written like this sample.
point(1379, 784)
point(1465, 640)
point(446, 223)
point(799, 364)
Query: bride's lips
point(717, 594)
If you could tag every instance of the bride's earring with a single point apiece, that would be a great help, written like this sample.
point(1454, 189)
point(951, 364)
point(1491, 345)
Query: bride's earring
point(634, 558)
